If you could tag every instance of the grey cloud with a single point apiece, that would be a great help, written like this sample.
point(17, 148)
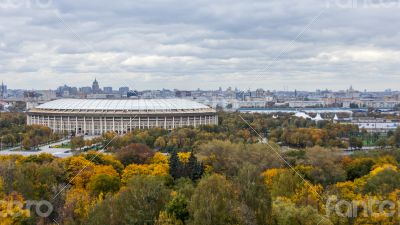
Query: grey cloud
point(206, 44)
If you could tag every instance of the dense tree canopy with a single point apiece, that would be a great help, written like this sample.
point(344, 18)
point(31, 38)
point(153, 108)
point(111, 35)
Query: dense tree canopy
point(220, 174)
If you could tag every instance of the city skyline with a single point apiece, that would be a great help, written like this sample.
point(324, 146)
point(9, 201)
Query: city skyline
point(105, 88)
point(207, 44)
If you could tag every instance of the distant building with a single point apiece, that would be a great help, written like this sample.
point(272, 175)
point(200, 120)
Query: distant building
point(85, 90)
point(46, 95)
point(377, 125)
point(302, 104)
point(108, 90)
point(183, 94)
point(123, 91)
point(95, 87)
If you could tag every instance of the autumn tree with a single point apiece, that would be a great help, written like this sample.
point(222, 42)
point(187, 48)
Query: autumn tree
point(359, 167)
point(77, 142)
point(286, 212)
point(326, 165)
point(255, 198)
point(104, 183)
point(214, 202)
point(139, 203)
point(355, 143)
point(134, 153)
point(178, 207)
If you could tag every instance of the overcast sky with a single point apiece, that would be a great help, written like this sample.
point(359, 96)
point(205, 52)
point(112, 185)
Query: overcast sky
point(272, 44)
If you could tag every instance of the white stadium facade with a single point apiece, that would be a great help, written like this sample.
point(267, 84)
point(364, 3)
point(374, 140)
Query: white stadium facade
point(98, 116)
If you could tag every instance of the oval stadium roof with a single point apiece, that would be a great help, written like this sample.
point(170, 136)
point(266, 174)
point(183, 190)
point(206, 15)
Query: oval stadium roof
point(106, 105)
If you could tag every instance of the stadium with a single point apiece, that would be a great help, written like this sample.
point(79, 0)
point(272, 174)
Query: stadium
point(98, 116)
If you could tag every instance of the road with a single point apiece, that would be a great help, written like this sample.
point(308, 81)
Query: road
point(58, 152)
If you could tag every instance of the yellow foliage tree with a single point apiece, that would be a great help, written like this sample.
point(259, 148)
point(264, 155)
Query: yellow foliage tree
point(159, 158)
point(78, 204)
point(382, 168)
point(144, 169)
point(270, 174)
point(184, 157)
point(12, 210)
point(105, 170)
point(79, 170)
point(309, 194)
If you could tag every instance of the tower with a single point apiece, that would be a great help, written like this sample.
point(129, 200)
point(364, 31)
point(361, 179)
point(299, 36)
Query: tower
point(3, 89)
point(95, 87)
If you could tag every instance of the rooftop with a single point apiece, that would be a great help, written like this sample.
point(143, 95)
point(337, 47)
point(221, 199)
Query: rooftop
point(122, 105)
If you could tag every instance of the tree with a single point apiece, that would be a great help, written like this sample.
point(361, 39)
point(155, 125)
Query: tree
point(194, 168)
point(175, 165)
point(214, 202)
point(254, 196)
point(382, 183)
point(326, 166)
point(77, 142)
point(132, 170)
point(12, 210)
point(78, 203)
point(160, 143)
point(394, 139)
point(382, 142)
point(36, 182)
point(286, 212)
point(356, 143)
point(359, 167)
point(134, 153)
point(228, 158)
point(167, 219)
point(177, 207)
point(104, 159)
point(36, 135)
point(139, 203)
point(1, 188)
point(8, 140)
point(103, 184)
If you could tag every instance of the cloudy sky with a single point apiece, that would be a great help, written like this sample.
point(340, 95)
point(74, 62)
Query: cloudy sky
point(144, 44)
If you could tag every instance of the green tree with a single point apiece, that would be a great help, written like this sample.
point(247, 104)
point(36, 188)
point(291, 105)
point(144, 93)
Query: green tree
point(394, 139)
point(327, 165)
point(382, 183)
point(178, 207)
point(286, 212)
point(8, 140)
point(166, 219)
point(214, 202)
point(359, 167)
point(77, 142)
point(139, 203)
point(254, 196)
point(355, 143)
point(104, 183)
point(175, 165)
point(194, 168)
point(382, 142)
